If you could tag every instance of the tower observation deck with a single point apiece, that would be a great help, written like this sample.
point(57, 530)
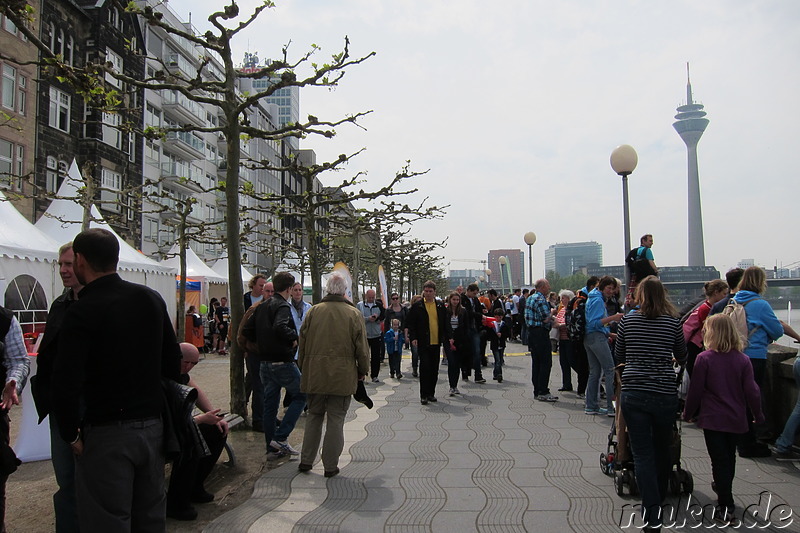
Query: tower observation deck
point(690, 124)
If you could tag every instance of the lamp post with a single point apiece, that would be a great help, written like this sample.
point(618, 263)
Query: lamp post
point(488, 277)
point(530, 239)
point(623, 161)
point(502, 260)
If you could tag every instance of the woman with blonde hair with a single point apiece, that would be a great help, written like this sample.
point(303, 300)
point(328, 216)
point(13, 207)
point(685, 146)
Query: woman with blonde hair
point(763, 328)
point(721, 391)
point(647, 342)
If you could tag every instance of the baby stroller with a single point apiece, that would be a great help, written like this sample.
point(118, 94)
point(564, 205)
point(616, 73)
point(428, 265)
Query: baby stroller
point(617, 460)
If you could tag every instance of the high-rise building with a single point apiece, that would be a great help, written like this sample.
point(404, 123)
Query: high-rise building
point(515, 260)
point(568, 257)
point(690, 125)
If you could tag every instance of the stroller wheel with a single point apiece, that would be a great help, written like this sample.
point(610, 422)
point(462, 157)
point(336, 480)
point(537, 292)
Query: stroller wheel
point(674, 484)
point(618, 483)
point(687, 485)
point(603, 463)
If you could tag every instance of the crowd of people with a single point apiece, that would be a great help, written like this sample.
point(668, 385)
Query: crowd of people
point(120, 418)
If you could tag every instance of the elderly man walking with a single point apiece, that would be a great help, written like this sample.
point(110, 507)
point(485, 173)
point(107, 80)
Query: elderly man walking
point(333, 357)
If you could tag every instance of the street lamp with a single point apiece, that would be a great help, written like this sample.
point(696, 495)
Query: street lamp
point(488, 277)
point(502, 260)
point(623, 161)
point(530, 239)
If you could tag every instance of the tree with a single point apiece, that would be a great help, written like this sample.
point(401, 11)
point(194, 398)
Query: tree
point(220, 92)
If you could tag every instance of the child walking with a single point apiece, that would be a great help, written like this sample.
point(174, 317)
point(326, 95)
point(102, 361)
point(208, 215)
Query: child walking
point(394, 340)
point(497, 342)
point(722, 394)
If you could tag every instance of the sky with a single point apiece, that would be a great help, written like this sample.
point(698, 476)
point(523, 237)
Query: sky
point(514, 107)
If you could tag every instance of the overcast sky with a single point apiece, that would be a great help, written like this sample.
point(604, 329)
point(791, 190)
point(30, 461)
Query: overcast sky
point(515, 107)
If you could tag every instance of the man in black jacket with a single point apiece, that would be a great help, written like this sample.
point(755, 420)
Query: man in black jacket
point(273, 329)
point(428, 327)
point(66, 511)
point(119, 441)
point(474, 309)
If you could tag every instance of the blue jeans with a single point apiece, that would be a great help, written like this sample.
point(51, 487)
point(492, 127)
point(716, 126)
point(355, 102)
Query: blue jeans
point(785, 441)
point(277, 376)
point(600, 360)
point(475, 337)
point(650, 417)
point(542, 360)
point(498, 362)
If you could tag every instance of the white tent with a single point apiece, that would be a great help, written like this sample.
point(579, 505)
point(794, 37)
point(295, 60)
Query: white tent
point(211, 283)
point(62, 223)
point(26, 251)
point(221, 268)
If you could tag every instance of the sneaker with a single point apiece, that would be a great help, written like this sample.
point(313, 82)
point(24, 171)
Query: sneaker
point(376, 380)
point(456, 391)
point(580, 396)
point(399, 375)
point(591, 411)
point(500, 379)
point(725, 518)
point(274, 455)
point(603, 411)
point(610, 412)
point(423, 401)
point(547, 398)
point(480, 380)
point(284, 447)
point(789, 455)
point(453, 392)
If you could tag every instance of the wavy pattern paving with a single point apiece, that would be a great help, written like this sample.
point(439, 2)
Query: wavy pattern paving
point(490, 460)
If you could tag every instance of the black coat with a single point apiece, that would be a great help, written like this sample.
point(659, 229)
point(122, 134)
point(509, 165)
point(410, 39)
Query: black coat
point(419, 326)
point(116, 343)
point(272, 326)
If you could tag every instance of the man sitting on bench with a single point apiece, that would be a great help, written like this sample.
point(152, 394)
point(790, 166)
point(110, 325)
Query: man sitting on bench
point(187, 478)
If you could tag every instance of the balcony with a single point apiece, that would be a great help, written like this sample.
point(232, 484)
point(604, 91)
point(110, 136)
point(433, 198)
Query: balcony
point(186, 144)
point(177, 64)
point(181, 176)
point(184, 109)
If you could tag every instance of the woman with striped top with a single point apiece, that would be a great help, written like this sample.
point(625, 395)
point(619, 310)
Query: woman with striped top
point(648, 341)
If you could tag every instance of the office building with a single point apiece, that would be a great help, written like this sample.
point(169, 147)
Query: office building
point(567, 258)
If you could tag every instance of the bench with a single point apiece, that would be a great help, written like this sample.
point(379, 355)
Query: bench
point(233, 421)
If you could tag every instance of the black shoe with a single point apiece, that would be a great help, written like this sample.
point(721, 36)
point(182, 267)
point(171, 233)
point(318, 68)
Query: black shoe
point(423, 401)
point(331, 473)
point(755, 451)
point(432, 399)
point(499, 380)
point(480, 380)
point(564, 389)
point(201, 496)
point(186, 513)
point(304, 467)
point(414, 373)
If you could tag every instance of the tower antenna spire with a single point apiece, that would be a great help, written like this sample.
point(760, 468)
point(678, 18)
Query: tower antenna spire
point(688, 86)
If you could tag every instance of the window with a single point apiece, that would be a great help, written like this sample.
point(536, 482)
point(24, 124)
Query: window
point(111, 183)
point(152, 116)
point(51, 175)
point(6, 157)
point(22, 96)
point(51, 37)
point(12, 162)
point(10, 26)
point(111, 129)
point(69, 50)
point(116, 65)
point(59, 109)
point(152, 152)
point(9, 87)
point(59, 49)
point(151, 230)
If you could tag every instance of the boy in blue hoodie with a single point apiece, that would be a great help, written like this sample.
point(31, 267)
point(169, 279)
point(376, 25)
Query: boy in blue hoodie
point(394, 340)
point(497, 342)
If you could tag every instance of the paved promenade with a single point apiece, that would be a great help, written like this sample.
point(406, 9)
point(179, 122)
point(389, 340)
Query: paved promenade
point(490, 460)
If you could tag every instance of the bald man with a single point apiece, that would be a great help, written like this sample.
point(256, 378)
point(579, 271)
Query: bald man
point(189, 474)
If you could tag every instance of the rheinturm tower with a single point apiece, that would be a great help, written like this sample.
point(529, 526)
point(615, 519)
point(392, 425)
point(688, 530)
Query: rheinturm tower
point(690, 124)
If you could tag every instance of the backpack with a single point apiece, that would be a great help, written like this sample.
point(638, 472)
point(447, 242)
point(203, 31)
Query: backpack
point(638, 264)
point(575, 318)
point(737, 312)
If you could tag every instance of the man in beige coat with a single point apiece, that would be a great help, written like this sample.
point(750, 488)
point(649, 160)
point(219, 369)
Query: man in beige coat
point(333, 356)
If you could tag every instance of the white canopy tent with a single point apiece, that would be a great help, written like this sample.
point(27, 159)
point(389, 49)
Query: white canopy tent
point(62, 223)
point(212, 284)
point(221, 268)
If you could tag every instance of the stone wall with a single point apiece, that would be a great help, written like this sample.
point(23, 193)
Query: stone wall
point(780, 391)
